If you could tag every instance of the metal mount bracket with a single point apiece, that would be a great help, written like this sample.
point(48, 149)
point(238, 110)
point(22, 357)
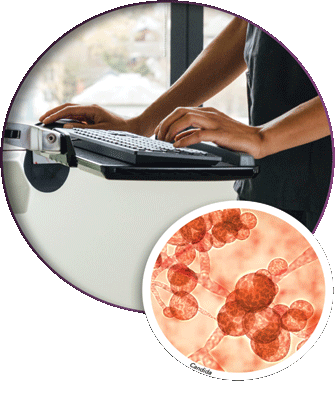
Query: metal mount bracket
point(53, 144)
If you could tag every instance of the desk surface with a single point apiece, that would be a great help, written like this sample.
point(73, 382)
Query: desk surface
point(117, 170)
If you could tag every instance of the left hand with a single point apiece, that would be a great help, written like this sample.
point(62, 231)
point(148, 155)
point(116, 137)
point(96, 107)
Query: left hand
point(88, 116)
point(209, 124)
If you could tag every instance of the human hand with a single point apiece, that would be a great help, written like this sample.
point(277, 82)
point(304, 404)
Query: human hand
point(209, 124)
point(89, 116)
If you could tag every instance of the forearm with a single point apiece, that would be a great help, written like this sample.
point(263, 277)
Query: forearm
point(215, 68)
point(301, 125)
point(306, 123)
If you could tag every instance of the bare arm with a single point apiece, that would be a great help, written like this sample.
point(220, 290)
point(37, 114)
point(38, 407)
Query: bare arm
point(216, 67)
point(306, 123)
point(303, 124)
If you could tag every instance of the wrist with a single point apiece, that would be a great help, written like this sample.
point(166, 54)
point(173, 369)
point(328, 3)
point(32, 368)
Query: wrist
point(141, 125)
point(272, 139)
point(262, 146)
point(254, 142)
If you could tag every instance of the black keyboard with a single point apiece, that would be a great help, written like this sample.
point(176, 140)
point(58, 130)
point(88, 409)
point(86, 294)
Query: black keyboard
point(138, 150)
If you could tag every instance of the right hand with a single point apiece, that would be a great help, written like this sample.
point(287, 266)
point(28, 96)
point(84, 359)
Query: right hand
point(89, 116)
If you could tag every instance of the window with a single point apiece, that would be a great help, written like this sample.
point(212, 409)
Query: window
point(123, 60)
point(119, 60)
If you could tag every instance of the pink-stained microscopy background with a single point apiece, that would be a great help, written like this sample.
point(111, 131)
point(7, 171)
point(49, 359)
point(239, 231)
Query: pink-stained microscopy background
point(271, 238)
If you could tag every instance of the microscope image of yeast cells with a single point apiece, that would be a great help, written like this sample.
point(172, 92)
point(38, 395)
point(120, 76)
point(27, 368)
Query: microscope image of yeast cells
point(237, 290)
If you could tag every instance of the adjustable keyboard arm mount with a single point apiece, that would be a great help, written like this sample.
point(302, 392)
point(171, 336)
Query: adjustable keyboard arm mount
point(43, 141)
point(44, 175)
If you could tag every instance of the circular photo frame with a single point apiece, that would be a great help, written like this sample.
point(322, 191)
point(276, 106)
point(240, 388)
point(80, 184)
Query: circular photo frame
point(237, 290)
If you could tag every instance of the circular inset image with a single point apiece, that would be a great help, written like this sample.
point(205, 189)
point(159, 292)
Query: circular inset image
point(237, 290)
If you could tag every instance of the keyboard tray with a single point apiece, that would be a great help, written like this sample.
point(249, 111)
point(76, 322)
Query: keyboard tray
point(113, 169)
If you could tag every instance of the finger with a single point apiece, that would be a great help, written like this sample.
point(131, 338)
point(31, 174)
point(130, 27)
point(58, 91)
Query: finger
point(159, 126)
point(164, 125)
point(178, 112)
point(73, 112)
point(198, 136)
point(191, 119)
point(185, 133)
point(54, 110)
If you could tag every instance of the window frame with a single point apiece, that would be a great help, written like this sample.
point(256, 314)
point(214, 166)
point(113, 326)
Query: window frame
point(187, 37)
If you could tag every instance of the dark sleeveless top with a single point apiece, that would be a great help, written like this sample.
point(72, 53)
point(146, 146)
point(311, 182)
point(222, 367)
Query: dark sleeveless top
point(297, 178)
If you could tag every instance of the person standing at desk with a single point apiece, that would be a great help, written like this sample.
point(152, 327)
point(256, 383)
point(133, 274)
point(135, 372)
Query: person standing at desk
point(288, 131)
